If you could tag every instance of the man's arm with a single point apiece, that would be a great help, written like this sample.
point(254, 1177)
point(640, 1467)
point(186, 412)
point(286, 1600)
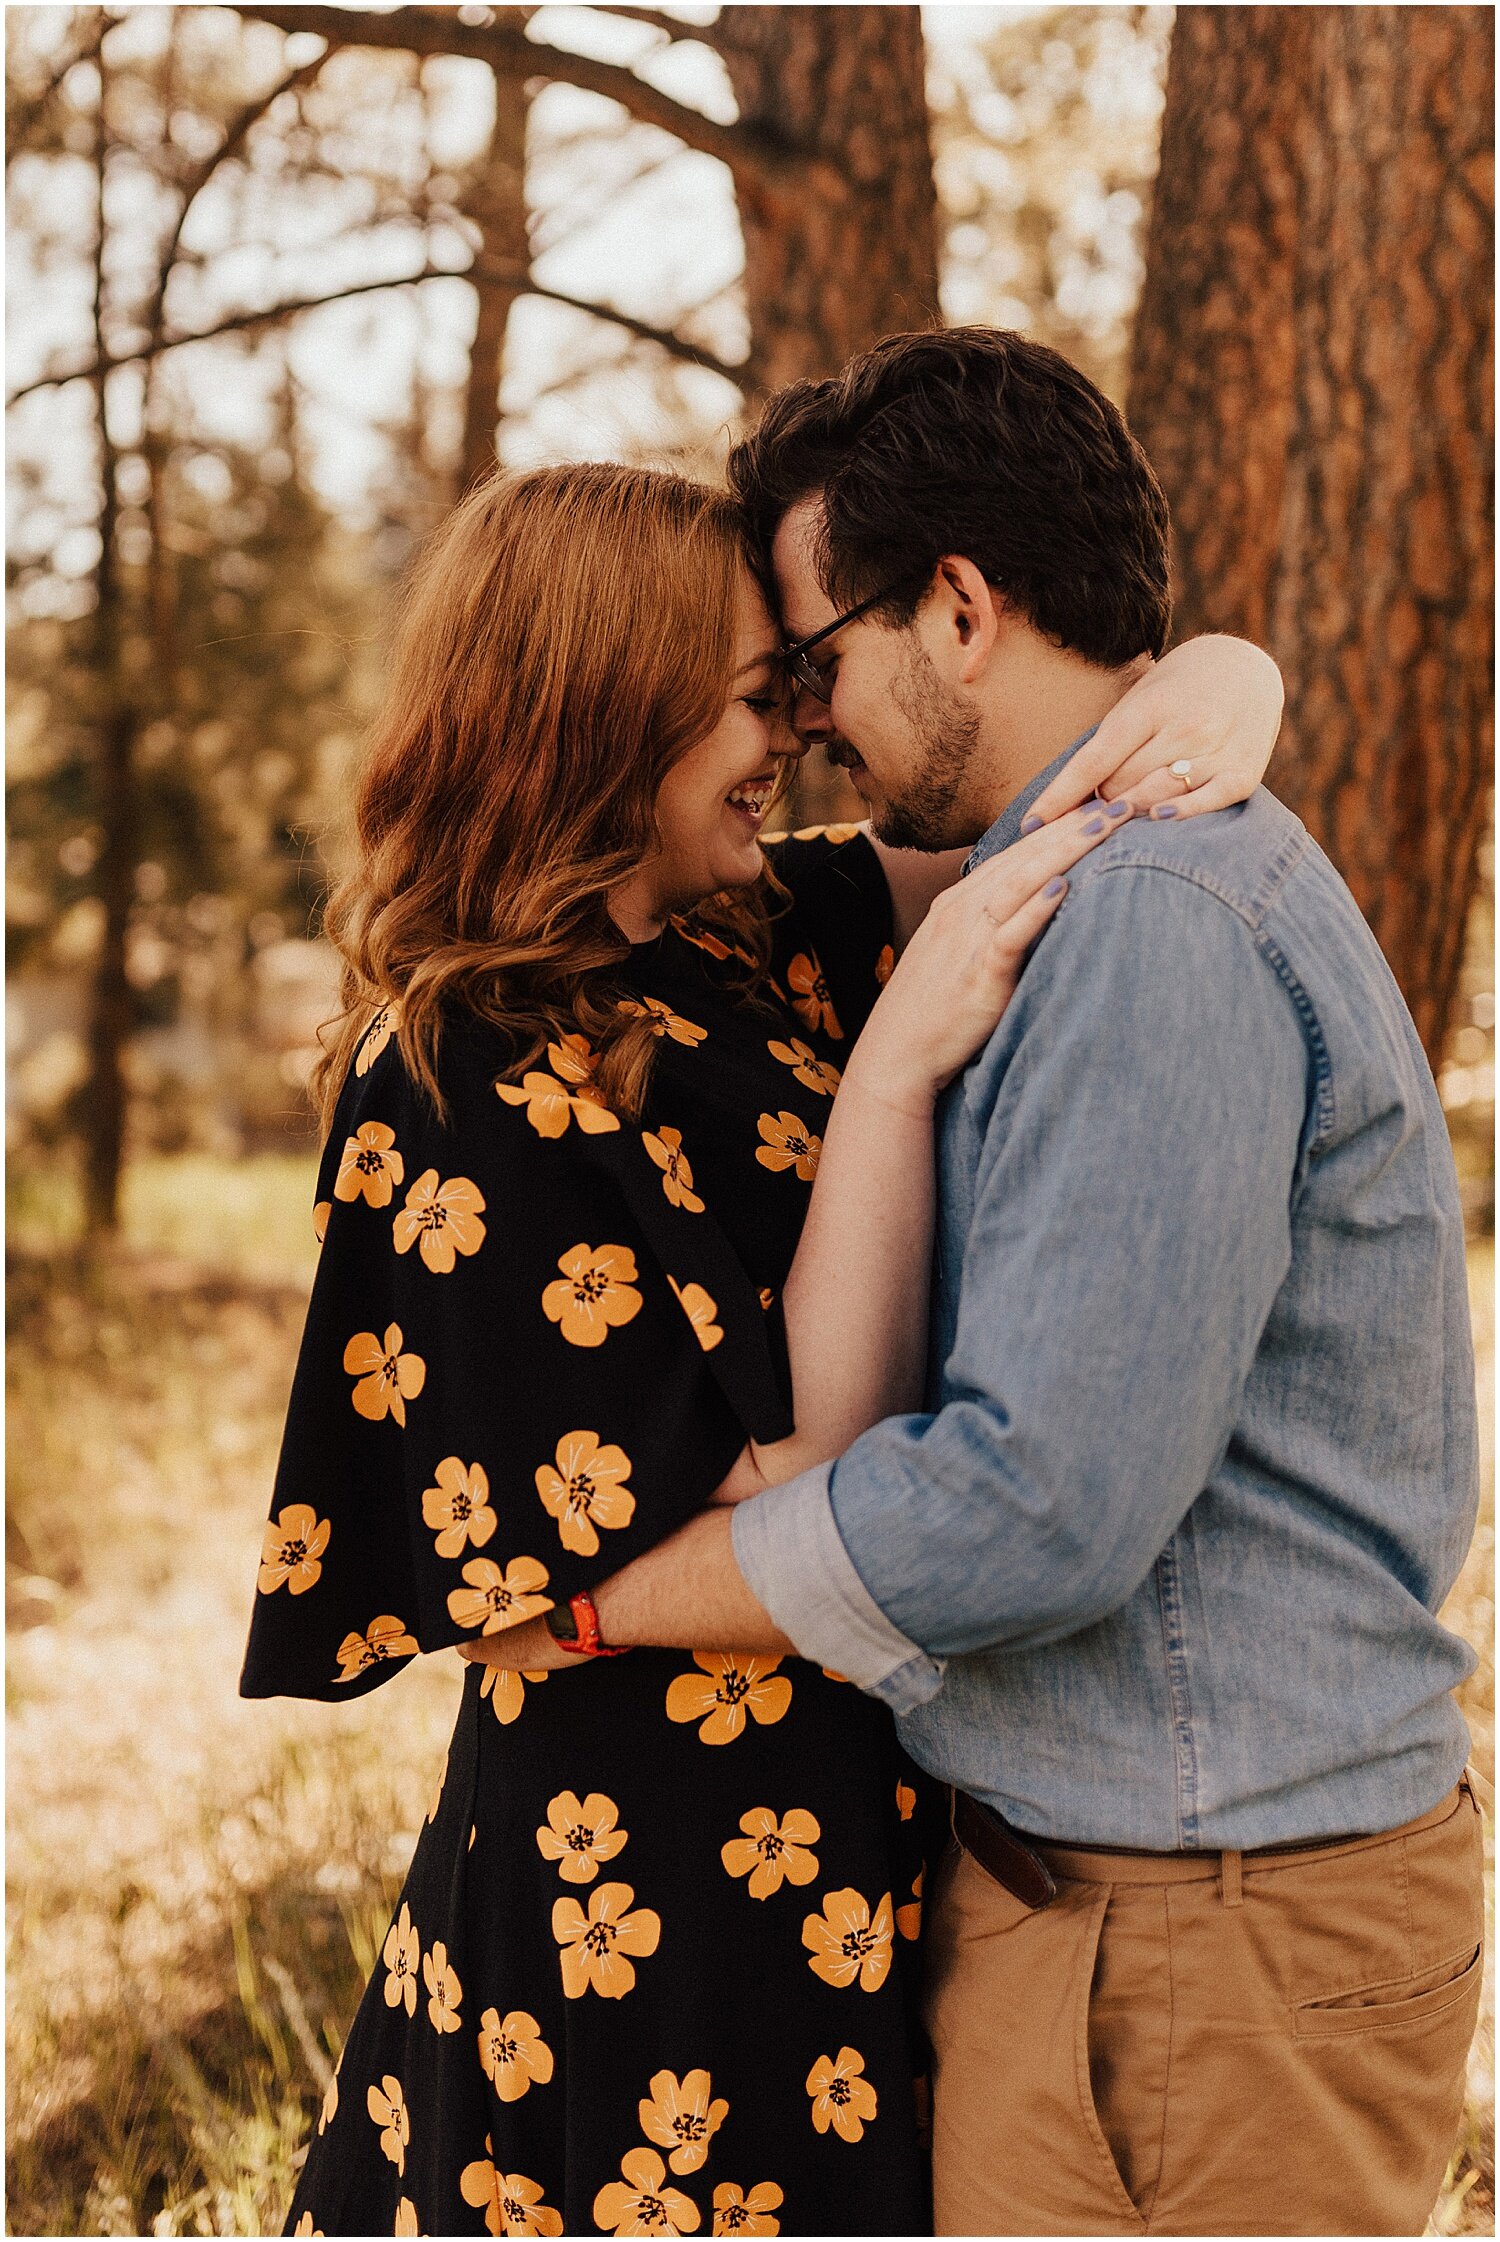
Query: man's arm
point(1130, 1233)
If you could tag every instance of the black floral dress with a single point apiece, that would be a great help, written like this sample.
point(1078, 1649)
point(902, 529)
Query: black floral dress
point(652, 1970)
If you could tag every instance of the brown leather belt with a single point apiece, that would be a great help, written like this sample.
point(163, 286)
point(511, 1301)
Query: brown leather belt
point(1015, 1862)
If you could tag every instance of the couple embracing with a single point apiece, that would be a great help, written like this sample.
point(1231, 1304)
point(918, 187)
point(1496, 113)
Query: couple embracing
point(997, 1266)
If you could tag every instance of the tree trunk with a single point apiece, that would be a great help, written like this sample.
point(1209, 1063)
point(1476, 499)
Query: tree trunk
point(496, 204)
point(1311, 378)
point(104, 1097)
point(841, 245)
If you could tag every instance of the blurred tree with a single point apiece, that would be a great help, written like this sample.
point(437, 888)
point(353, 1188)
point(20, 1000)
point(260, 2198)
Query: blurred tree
point(829, 156)
point(1311, 377)
point(840, 232)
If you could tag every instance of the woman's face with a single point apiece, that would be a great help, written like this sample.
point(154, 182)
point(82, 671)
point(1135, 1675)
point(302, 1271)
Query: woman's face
point(710, 804)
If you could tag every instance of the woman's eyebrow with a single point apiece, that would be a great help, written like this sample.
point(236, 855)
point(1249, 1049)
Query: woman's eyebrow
point(757, 661)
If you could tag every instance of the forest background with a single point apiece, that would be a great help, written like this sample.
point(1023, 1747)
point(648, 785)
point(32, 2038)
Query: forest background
point(284, 280)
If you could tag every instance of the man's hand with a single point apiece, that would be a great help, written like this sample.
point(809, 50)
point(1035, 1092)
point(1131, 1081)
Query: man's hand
point(531, 1648)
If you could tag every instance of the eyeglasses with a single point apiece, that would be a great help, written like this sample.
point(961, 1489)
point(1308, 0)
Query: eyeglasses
point(806, 674)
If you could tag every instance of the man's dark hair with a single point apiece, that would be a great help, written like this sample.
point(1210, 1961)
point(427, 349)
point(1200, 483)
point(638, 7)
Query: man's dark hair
point(975, 442)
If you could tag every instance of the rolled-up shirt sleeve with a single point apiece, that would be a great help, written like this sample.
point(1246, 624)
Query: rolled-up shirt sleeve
point(1137, 1122)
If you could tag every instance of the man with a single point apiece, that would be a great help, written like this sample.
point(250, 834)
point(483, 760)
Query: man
point(1153, 1581)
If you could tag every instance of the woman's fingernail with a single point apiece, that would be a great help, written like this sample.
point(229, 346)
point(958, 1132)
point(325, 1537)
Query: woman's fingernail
point(1093, 825)
point(1118, 809)
point(1165, 809)
point(1032, 824)
point(1054, 887)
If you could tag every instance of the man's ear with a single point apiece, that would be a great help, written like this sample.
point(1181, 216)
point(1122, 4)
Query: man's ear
point(972, 611)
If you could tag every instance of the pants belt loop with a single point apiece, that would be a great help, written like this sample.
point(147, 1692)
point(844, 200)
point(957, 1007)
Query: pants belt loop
point(1230, 1882)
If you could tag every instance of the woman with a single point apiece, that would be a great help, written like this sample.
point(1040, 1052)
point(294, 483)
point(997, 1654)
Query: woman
point(652, 1966)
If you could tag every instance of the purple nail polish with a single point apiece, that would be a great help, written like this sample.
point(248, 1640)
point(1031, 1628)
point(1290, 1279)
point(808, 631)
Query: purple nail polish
point(1118, 809)
point(1054, 887)
point(1032, 824)
point(1165, 809)
point(1094, 825)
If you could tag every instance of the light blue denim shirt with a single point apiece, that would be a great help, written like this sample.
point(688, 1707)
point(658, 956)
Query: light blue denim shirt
point(1160, 1564)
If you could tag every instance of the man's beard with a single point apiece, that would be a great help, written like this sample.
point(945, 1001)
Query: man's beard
point(944, 732)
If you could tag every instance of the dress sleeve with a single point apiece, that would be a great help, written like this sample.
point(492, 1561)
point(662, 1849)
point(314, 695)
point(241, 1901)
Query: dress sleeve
point(517, 1373)
point(833, 950)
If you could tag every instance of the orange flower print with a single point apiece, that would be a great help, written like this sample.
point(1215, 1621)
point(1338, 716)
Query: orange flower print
point(909, 1917)
point(665, 1148)
point(789, 1143)
point(388, 1379)
point(551, 1103)
point(885, 964)
point(767, 1298)
point(701, 1310)
point(458, 1507)
point(806, 1066)
point(665, 1022)
point(503, 1687)
point(846, 1943)
point(642, 2203)
point(906, 1801)
point(511, 2203)
point(305, 2226)
point(513, 2053)
point(401, 1953)
point(329, 2110)
point(585, 1490)
point(840, 2097)
point(724, 1690)
point(681, 2117)
point(738, 2213)
point(773, 1850)
point(444, 1216)
point(499, 1599)
point(595, 1294)
point(702, 939)
point(292, 1550)
point(385, 1637)
point(388, 2109)
point(371, 1167)
point(406, 2217)
point(578, 1837)
point(377, 1035)
point(321, 1212)
point(595, 1946)
point(444, 1993)
point(811, 997)
point(835, 833)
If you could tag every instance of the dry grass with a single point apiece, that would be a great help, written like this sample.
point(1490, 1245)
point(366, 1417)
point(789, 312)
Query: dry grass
point(196, 1884)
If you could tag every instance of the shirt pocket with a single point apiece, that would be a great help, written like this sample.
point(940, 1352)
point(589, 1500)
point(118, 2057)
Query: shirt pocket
point(1395, 2001)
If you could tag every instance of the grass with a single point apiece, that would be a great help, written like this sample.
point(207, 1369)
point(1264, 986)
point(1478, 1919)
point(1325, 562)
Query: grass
point(197, 1885)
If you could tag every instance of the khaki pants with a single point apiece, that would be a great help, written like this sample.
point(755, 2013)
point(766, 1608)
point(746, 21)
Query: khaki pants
point(1249, 2046)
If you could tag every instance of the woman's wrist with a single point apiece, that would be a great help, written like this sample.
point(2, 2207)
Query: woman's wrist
point(899, 1088)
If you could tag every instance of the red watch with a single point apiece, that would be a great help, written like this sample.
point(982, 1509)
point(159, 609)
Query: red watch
point(575, 1625)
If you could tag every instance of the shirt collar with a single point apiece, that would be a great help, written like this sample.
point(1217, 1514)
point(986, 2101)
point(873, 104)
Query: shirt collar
point(1007, 826)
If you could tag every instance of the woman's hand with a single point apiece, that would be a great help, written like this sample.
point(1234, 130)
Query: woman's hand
point(1213, 703)
point(960, 968)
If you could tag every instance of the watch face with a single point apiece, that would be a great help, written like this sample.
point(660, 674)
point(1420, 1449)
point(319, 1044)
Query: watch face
point(561, 1624)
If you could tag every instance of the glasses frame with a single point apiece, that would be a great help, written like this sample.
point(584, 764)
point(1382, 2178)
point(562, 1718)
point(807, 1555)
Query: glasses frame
point(794, 657)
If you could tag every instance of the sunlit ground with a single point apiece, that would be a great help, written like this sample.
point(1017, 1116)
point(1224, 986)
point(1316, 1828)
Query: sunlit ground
point(198, 1886)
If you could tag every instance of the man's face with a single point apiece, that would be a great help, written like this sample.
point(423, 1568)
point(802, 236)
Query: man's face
point(903, 733)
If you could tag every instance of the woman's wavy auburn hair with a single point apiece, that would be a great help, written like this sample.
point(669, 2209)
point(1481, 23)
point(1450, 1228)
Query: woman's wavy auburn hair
point(567, 635)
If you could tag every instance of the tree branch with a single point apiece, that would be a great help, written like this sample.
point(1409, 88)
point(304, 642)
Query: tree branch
point(674, 26)
point(515, 276)
point(28, 113)
point(754, 158)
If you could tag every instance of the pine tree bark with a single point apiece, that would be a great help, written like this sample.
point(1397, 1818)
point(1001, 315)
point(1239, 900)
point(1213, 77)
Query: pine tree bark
point(841, 238)
point(1311, 378)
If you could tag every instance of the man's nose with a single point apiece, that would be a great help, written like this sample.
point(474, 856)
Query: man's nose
point(810, 718)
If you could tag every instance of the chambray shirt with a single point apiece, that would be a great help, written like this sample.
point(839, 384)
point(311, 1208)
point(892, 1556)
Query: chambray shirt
point(1159, 1565)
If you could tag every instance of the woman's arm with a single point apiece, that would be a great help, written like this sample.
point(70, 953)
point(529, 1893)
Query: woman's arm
point(856, 1297)
point(1213, 703)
